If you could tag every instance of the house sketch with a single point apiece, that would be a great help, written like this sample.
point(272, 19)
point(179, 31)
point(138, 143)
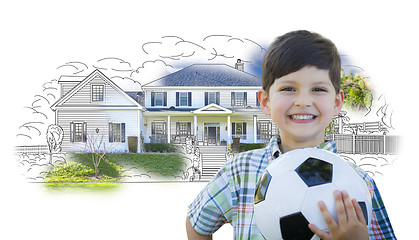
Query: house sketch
point(202, 107)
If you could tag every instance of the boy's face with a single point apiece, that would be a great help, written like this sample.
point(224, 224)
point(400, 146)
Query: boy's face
point(302, 105)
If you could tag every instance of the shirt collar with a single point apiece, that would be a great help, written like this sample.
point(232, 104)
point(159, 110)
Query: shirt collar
point(275, 152)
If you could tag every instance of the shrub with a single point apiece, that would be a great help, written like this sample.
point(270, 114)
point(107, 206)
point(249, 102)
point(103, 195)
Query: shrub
point(244, 147)
point(161, 147)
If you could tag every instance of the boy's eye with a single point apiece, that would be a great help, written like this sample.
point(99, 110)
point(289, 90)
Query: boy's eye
point(287, 89)
point(319, 90)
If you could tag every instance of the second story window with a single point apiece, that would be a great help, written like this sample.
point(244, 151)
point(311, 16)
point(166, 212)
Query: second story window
point(212, 97)
point(183, 98)
point(98, 93)
point(158, 99)
point(239, 99)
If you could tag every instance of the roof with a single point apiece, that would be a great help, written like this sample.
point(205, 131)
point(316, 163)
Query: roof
point(207, 75)
point(96, 73)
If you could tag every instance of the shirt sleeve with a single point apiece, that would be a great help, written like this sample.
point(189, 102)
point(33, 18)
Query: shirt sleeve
point(380, 223)
point(213, 205)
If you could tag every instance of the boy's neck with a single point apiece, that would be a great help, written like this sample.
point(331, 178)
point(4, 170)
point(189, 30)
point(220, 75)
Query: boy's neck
point(286, 145)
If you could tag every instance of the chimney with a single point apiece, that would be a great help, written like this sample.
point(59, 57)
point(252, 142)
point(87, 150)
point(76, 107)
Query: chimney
point(239, 65)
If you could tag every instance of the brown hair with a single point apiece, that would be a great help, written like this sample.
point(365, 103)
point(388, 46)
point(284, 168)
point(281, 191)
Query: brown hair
point(295, 50)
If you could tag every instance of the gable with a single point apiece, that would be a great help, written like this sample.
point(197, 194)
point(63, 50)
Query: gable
point(212, 109)
point(96, 90)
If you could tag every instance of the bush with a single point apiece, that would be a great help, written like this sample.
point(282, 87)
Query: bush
point(70, 172)
point(161, 147)
point(244, 147)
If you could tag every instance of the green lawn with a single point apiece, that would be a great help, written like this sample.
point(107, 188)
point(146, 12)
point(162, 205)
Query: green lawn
point(79, 169)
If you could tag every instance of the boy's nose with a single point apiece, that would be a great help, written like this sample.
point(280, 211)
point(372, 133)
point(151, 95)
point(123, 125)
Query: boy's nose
point(303, 100)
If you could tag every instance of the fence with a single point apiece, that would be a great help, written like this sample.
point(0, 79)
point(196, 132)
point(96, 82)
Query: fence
point(35, 149)
point(365, 144)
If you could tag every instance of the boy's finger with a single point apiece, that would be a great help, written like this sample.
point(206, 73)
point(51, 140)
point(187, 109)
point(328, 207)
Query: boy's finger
point(318, 232)
point(328, 218)
point(349, 207)
point(358, 210)
point(340, 208)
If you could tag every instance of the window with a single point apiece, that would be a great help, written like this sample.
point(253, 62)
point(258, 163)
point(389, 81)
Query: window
point(159, 99)
point(238, 129)
point(183, 98)
point(78, 132)
point(239, 99)
point(97, 93)
point(266, 129)
point(116, 132)
point(212, 97)
point(183, 129)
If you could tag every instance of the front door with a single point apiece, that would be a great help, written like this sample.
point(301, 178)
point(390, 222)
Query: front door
point(212, 135)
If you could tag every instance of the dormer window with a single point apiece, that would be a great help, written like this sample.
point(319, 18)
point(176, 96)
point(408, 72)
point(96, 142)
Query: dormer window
point(98, 93)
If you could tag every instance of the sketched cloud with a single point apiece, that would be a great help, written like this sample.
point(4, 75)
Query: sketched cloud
point(73, 68)
point(114, 64)
point(151, 70)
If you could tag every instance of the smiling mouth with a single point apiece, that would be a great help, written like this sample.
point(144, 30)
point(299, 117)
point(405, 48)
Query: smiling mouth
point(300, 117)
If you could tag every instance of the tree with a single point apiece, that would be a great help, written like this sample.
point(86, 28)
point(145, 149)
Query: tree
point(54, 139)
point(357, 95)
point(96, 146)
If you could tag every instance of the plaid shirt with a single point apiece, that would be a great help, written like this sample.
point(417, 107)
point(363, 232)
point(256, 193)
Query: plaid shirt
point(229, 196)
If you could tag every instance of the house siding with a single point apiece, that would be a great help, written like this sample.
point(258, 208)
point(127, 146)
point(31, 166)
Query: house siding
point(111, 96)
point(98, 119)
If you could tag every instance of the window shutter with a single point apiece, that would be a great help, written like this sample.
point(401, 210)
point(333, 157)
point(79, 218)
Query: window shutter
point(233, 128)
point(152, 99)
point(165, 99)
point(244, 128)
point(164, 128)
point(84, 131)
point(206, 98)
point(257, 100)
point(72, 133)
point(245, 99)
point(189, 98)
point(218, 98)
point(110, 132)
point(177, 99)
point(233, 95)
point(122, 132)
point(189, 129)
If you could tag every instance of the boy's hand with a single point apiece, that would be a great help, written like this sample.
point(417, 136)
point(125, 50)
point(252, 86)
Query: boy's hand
point(350, 217)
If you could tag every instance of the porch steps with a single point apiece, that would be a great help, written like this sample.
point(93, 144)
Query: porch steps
point(213, 158)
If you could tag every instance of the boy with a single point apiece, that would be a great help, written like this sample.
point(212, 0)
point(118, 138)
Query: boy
point(301, 92)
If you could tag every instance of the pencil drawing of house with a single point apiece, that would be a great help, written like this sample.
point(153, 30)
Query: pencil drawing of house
point(212, 103)
point(96, 105)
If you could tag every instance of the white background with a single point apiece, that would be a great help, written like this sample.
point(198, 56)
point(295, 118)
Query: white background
point(38, 36)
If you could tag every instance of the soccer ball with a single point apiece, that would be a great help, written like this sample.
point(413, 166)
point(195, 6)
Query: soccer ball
point(288, 191)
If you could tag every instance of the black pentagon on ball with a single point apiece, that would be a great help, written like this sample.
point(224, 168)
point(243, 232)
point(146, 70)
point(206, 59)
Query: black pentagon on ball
point(262, 187)
point(315, 172)
point(295, 226)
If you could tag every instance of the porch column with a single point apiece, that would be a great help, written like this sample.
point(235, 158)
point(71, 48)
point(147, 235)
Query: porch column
point(195, 126)
point(228, 130)
point(255, 131)
point(168, 129)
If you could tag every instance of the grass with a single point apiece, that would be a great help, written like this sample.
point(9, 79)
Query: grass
point(79, 172)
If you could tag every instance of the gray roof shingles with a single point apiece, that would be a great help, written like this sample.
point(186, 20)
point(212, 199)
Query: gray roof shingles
point(207, 75)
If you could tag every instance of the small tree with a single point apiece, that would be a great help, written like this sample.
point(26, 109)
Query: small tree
point(357, 94)
point(96, 146)
point(54, 139)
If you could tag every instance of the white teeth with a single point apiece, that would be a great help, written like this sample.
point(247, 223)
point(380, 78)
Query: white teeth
point(302, 117)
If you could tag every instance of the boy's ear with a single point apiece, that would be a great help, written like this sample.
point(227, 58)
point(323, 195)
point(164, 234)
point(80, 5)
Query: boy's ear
point(339, 100)
point(264, 102)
